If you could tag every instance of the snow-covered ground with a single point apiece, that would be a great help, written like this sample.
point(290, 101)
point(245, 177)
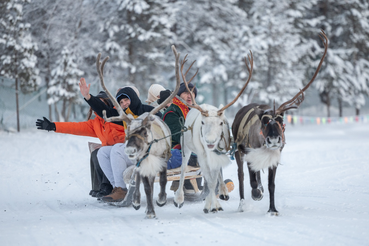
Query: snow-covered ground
point(322, 194)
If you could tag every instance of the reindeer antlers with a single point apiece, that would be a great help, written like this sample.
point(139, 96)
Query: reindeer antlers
point(251, 60)
point(100, 71)
point(178, 82)
point(194, 104)
point(299, 97)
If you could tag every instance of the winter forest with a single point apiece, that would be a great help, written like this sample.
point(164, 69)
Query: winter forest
point(46, 46)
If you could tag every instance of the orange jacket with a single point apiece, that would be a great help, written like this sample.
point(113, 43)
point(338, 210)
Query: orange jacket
point(108, 133)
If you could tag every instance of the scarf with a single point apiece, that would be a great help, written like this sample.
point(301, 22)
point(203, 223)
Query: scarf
point(184, 109)
point(128, 111)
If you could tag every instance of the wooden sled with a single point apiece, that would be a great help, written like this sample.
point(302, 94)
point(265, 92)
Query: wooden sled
point(172, 174)
point(191, 173)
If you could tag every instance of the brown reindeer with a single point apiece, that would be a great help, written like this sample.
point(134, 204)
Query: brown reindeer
point(148, 144)
point(258, 131)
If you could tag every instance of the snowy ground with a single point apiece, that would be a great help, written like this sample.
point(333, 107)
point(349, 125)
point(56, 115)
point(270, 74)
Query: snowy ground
point(322, 194)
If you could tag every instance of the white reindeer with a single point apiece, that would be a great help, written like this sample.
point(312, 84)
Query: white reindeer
point(208, 136)
point(148, 144)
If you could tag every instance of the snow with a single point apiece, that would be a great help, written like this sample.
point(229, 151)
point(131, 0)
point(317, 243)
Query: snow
point(322, 194)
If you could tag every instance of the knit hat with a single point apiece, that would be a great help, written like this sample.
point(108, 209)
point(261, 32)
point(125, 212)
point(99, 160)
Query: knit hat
point(154, 92)
point(164, 95)
point(182, 88)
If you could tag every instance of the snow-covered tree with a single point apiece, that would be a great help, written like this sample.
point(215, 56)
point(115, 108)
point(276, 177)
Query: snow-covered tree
point(279, 47)
point(17, 59)
point(68, 23)
point(347, 74)
point(138, 42)
point(211, 32)
point(64, 85)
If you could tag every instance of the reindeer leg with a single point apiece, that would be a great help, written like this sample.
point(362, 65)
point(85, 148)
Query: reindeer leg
point(148, 185)
point(223, 192)
point(210, 199)
point(179, 197)
point(256, 192)
point(271, 187)
point(162, 200)
point(240, 180)
point(137, 195)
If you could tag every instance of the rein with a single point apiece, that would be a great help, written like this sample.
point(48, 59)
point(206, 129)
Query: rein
point(183, 129)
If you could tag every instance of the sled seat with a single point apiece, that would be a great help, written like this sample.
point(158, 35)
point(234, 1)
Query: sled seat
point(191, 173)
point(92, 146)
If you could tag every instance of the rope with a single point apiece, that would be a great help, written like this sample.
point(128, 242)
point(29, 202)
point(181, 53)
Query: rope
point(144, 157)
point(183, 129)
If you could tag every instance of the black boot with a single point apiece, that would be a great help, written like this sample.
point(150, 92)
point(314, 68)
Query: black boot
point(93, 193)
point(105, 190)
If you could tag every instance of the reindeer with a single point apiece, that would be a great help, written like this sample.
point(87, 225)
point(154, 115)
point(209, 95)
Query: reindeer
point(208, 136)
point(258, 131)
point(148, 144)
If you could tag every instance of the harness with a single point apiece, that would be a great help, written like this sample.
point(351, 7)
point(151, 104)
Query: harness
point(183, 129)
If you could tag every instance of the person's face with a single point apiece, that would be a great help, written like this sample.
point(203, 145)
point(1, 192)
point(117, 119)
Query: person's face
point(187, 97)
point(124, 103)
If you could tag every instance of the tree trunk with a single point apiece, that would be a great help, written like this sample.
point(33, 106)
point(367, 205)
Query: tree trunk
point(57, 116)
point(339, 106)
point(329, 110)
point(215, 95)
point(357, 111)
point(17, 102)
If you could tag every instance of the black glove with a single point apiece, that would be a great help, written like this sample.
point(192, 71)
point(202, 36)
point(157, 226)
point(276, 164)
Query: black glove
point(45, 125)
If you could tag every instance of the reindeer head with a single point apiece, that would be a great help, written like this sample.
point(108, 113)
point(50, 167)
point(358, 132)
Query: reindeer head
point(272, 126)
point(139, 136)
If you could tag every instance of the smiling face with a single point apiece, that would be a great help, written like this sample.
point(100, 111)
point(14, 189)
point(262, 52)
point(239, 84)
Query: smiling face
point(124, 103)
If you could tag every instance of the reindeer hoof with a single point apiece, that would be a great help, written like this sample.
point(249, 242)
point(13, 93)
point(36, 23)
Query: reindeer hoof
point(256, 194)
point(214, 210)
point(273, 212)
point(224, 197)
point(161, 204)
point(220, 209)
point(206, 210)
point(150, 216)
point(178, 205)
point(137, 207)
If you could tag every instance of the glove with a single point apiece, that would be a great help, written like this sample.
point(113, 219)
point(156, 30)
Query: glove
point(45, 125)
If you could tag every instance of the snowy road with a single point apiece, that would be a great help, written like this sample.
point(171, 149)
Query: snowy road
point(322, 194)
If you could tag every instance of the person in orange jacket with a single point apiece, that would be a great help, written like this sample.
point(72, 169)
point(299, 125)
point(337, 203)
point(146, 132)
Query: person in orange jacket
point(109, 134)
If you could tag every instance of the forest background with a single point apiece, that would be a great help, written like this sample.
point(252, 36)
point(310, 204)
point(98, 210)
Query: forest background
point(46, 46)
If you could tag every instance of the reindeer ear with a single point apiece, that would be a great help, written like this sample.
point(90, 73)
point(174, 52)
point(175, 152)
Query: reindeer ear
point(259, 112)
